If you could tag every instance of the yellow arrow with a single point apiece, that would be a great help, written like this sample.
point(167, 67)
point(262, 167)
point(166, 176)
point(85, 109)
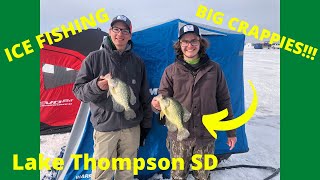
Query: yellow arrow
point(213, 121)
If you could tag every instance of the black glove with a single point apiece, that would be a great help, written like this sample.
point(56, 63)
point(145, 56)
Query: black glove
point(143, 134)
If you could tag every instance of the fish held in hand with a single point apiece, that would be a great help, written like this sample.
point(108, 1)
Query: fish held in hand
point(121, 95)
point(175, 114)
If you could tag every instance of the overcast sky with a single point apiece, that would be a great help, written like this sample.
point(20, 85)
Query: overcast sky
point(143, 13)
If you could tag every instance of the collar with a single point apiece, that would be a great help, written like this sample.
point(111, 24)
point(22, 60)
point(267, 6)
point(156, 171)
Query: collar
point(108, 44)
point(202, 62)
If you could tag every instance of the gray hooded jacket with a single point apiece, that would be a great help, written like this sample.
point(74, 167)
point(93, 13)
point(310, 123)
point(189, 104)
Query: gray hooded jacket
point(127, 67)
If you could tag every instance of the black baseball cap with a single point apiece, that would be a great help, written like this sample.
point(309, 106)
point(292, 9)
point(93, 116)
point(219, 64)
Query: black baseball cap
point(124, 19)
point(189, 28)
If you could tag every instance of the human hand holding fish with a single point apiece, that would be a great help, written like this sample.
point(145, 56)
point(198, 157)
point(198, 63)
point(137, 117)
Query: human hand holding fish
point(103, 83)
point(155, 103)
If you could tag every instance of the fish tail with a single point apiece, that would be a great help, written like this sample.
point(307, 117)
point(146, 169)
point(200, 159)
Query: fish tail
point(183, 133)
point(129, 114)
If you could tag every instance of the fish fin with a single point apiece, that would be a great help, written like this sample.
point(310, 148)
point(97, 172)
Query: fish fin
point(161, 115)
point(171, 127)
point(133, 98)
point(129, 114)
point(183, 133)
point(116, 106)
point(186, 115)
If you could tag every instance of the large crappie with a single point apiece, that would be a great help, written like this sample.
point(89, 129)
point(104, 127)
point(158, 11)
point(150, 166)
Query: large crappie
point(175, 114)
point(121, 95)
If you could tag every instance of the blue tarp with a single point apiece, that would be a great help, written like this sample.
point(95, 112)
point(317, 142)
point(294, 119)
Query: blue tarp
point(155, 46)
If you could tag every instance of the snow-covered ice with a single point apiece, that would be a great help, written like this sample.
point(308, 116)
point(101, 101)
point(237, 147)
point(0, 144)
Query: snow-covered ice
point(262, 67)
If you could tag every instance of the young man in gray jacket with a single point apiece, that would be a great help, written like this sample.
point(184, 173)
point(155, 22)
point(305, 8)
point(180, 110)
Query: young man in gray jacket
point(114, 136)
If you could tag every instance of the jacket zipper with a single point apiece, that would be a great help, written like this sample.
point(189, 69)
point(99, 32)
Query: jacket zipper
point(193, 84)
point(120, 65)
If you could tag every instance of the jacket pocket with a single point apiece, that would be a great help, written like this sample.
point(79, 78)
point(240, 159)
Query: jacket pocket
point(98, 116)
point(134, 82)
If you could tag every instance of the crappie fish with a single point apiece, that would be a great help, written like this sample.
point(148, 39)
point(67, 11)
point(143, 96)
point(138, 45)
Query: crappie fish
point(175, 114)
point(121, 95)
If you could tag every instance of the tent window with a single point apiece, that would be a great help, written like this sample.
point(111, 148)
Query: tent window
point(55, 76)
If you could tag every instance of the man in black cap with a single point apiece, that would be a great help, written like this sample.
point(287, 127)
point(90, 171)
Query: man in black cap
point(114, 136)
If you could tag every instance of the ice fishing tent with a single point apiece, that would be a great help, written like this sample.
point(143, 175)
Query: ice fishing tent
point(154, 45)
point(59, 64)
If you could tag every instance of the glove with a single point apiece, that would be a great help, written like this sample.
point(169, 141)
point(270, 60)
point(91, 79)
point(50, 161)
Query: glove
point(143, 134)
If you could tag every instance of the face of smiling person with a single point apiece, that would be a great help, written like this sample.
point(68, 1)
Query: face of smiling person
point(190, 46)
point(120, 39)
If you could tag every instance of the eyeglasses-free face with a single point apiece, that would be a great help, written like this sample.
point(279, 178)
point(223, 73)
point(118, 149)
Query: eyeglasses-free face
point(118, 30)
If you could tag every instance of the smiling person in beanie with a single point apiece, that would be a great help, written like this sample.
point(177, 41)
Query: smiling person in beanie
point(199, 85)
point(114, 136)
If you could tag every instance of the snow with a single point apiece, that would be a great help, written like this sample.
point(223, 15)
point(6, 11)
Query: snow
point(262, 67)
